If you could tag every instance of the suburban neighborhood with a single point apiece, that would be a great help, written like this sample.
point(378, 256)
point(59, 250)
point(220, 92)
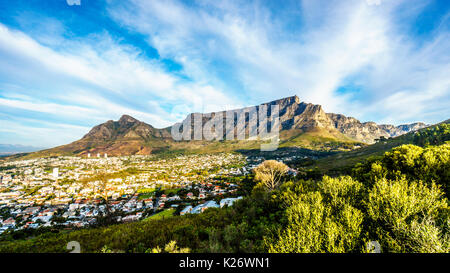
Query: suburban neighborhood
point(67, 191)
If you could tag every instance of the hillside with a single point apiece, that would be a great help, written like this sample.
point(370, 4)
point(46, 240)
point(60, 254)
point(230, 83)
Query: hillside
point(303, 125)
point(299, 216)
point(434, 135)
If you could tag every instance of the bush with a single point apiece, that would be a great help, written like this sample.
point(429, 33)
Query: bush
point(431, 164)
point(315, 226)
point(407, 216)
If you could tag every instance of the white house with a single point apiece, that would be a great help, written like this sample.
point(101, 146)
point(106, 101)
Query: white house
point(187, 209)
point(228, 201)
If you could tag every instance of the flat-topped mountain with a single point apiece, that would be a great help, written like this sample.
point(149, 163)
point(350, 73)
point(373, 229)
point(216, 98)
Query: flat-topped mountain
point(297, 115)
point(130, 136)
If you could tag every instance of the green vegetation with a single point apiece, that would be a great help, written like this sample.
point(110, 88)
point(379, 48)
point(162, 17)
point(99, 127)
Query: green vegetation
point(318, 139)
point(161, 215)
point(342, 163)
point(398, 199)
point(435, 135)
point(146, 193)
point(429, 165)
point(5, 168)
point(170, 247)
point(270, 174)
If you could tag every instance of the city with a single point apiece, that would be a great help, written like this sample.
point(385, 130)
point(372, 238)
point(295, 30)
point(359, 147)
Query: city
point(63, 191)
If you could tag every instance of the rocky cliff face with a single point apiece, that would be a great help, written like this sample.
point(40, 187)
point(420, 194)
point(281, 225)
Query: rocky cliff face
point(369, 131)
point(394, 131)
point(131, 136)
point(126, 127)
point(123, 137)
point(295, 114)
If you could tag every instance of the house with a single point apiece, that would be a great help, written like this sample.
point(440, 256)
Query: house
point(202, 207)
point(34, 225)
point(292, 172)
point(148, 202)
point(187, 209)
point(31, 210)
point(130, 218)
point(210, 204)
point(228, 201)
point(10, 222)
point(44, 219)
point(175, 198)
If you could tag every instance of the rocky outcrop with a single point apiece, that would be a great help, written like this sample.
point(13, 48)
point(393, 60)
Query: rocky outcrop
point(295, 114)
point(394, 131)
point(131, 136)
point(126, 127)
point(369, 131)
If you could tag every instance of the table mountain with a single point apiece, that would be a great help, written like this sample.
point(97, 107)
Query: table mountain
point(131, 136)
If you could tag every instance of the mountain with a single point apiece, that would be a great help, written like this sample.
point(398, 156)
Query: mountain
point(123, 137)
point(9, 149)
point(305, 117)
point(302, 124)
point(346, 161)
point(369, 131)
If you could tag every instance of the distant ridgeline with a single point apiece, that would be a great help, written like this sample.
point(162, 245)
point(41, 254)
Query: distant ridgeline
point(434, 135)
point(342, 163)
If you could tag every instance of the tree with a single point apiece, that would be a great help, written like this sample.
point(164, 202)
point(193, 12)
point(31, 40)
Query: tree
point(170, 247)
point(381, 139)
point(270, 173)
point(314, 225)
point(408, 216)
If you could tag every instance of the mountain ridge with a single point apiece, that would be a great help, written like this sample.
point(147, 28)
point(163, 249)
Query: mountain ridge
point(129, 136)
point(10, 149)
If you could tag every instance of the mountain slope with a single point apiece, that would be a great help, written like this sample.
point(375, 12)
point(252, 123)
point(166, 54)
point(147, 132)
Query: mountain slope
point(346, 160)
point(123, 137)
point(297, 115)
point(302, 124)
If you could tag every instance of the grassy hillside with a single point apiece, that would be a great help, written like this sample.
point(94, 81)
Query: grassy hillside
point(400, 202)
point(437, 134)
point(317, 140)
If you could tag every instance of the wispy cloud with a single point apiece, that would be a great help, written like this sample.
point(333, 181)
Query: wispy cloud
point(92, 80)
point(332, 44)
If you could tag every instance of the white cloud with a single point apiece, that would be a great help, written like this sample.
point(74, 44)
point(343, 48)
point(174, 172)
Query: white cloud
point(46, 134)
point(373, 2)
point(232, 54)
point(93, 80)
point(336, 43)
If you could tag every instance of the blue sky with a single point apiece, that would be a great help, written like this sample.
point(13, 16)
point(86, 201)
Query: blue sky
point(65, 68)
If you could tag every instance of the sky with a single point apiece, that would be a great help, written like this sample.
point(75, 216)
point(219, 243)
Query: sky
point(68, 65)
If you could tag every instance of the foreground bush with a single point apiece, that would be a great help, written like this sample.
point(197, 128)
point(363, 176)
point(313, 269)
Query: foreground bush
point(408, 216)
